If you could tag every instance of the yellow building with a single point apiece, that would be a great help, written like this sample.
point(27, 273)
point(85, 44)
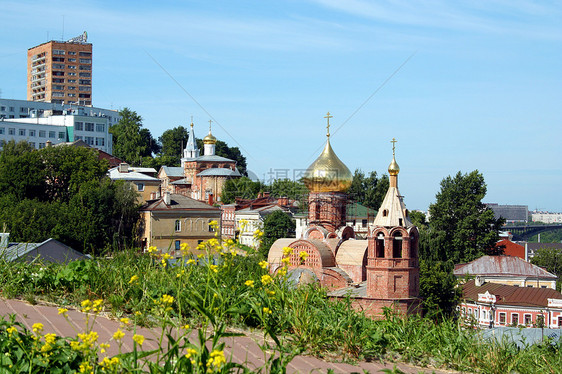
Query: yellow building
point(175, 219)
point(146, 185)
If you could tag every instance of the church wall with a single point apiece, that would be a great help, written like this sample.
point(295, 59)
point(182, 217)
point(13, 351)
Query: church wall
point(356, 272)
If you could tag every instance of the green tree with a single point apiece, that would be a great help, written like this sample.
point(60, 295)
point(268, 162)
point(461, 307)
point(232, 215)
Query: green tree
point(295, 190)
point(369, 191)
point(438, 288)
point(275, 226)
point(173, 142)
point(130, 142)
point(21, 171)
point(242, 187)
point(551, 260)
point(462, 227)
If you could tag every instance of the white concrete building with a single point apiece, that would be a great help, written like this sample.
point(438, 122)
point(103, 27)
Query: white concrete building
point(37, 126)
point(546, 217)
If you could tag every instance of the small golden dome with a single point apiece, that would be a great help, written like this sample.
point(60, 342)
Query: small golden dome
point(328, 173)
point(209, 139)
point(393, 168)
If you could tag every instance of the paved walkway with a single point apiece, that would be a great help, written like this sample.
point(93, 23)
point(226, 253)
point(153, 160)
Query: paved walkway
point(242, 349)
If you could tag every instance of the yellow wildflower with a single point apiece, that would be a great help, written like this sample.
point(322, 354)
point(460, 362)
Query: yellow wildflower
point(249, 283)
point(152, 249)
point(166, 256)
point(11, 330)
point(283, 271)
point(185, 327)
point(216, 360)
point(139, 339)
point(103, 347)
point(214, 268)
point(303, 255)
point(50, 338)
point(125, 320)
point(63, 311)
point(266, 279)
point(270, 293)
point(266, 310)
point(97, 305)
point(287, 251)
point(286, 261)
point(86, 305)
point(85, 367)
point(263, 264)
point(138, 314)
point(133, 279)
point(190, 352)
point(37, 327)
point(118, 335)
point(190, 261)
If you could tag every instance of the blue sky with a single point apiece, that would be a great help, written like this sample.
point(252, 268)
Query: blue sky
point(481, 88)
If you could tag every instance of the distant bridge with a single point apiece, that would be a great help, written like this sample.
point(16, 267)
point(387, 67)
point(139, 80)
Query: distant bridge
point(524, 232)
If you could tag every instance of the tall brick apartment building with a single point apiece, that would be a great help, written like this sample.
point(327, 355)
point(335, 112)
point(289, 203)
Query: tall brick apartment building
point(60, 72)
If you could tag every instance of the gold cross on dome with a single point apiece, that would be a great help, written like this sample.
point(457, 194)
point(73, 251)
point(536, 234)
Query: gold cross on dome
point(393, 141)
point(210, 121)
point(191, 122)
point(328, 116)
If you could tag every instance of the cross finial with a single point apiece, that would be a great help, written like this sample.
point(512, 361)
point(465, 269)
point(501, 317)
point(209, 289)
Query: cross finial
point(210, 121)
point(191, 122)
point(328, 116)
point(393, 141)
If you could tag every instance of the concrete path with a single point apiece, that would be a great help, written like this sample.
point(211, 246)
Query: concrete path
point(243, 349)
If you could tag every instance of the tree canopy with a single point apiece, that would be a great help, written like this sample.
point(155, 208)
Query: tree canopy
point(63, 193)
point(276, 225)
point(131, 142)
point(463, 228)
point(173, 143)
point(551, 260)
point(368, 191)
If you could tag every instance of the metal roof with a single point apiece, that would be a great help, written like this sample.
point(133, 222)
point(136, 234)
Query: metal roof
point(511, 295)
point(212, 158)
point(219, 172)
point(114, 174)
point(182, 181)
point(178, 202)
point(173, 171)
point(502, 266)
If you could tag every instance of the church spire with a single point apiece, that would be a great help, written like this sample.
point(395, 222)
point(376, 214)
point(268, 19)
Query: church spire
point(392, 211)
point(209, 142)
point(191, 150)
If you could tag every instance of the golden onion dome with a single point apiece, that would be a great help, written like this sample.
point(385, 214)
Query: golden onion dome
point(209, 139)
point(328, 173)
point(393, 168)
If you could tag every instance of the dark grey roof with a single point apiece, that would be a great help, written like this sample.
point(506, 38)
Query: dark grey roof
point(50, 250)
point(182, 181)
point(173, 171)
point(213, 158)
point(178, 202)
point(114, 174)
point(219, 172)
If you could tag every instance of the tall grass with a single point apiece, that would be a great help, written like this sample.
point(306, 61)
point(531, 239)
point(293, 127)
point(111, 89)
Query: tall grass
point(225, 289)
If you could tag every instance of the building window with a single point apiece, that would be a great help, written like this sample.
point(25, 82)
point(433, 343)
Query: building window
point(72, 54)
point(140, 186)
point(32, 133)
point(84, 75)
point(502, 318)
point(78, 126)
point(539, 321)
point(100, 127)
point(89, 126)
point(397, 245)
point(11, 131)
point(42, 134)
point(379, 245)
point(100, 142)
point(89, 140)
point(51, 134)
point(73, 74)
point(211, 227)
point(1, 131)
point(41, 145)
point(71, 59)
point(22, 132)
point(62, 135)
point(85, 54)
point(178, 245)
point(515, 319)
point(32, 144)
point(178, 225)
point(58, 52)
point(528, 319)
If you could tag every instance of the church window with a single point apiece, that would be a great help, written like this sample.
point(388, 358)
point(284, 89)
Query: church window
point(379, 246)
point(397, 245)
point(385, 213)
point(178, 225)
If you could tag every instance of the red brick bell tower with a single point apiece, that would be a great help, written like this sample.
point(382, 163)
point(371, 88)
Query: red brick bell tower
point(392, 262)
